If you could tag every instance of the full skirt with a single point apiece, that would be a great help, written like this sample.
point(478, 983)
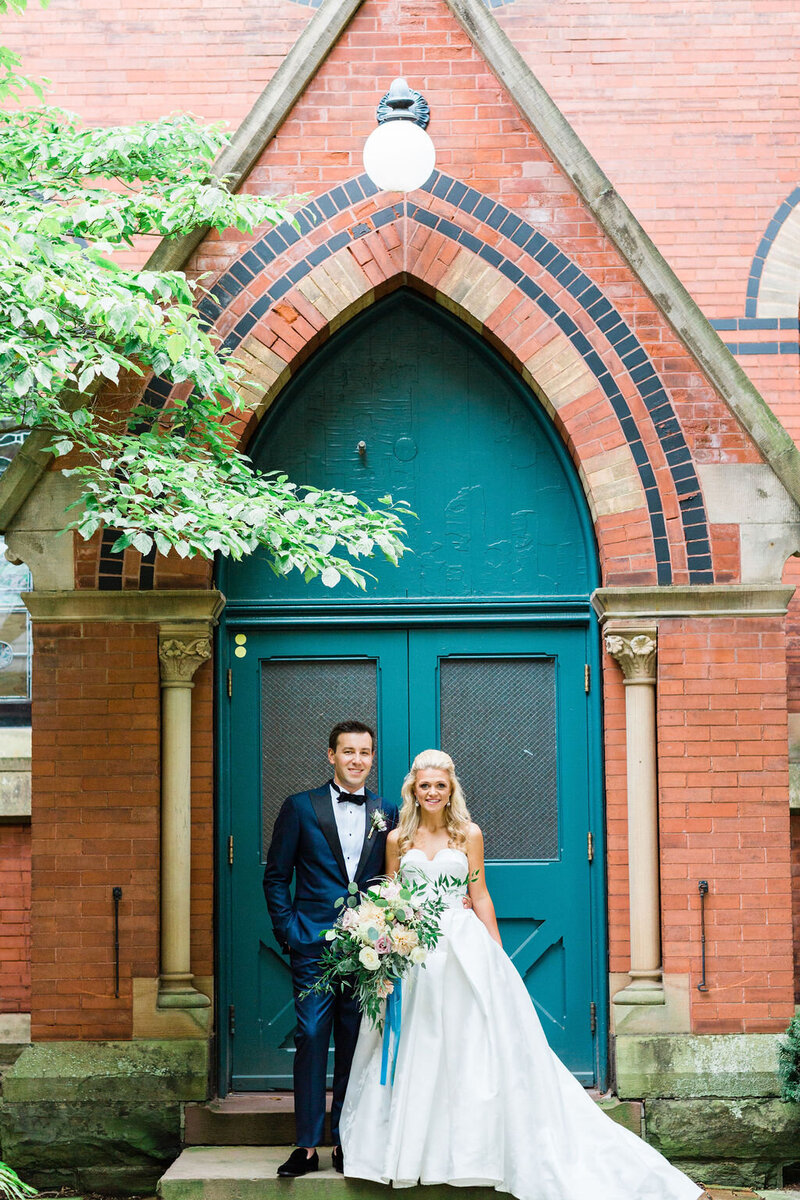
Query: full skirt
point(479, 1098)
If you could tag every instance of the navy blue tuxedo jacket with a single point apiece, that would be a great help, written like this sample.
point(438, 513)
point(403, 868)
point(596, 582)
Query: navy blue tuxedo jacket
point(305, 844)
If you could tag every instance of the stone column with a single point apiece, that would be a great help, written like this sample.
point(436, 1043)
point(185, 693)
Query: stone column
point(181, 650)
point(634, 648)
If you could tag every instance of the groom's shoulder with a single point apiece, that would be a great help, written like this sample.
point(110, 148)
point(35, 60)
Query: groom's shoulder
point(302, 799)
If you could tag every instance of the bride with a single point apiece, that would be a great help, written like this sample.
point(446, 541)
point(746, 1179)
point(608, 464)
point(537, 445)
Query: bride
point(478, 1096)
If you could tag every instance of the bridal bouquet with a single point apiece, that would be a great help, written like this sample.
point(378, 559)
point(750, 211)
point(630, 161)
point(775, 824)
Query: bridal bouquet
point(379, 935)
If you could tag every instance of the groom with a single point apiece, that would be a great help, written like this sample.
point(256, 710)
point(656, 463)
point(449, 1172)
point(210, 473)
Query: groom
point(326, 838)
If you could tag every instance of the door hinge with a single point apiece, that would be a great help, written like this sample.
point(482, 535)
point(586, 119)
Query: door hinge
point(231, 1020)
point(230, 849)
point(587, 679)
point(593, 1017)
point(590, 846)
point(230, 684)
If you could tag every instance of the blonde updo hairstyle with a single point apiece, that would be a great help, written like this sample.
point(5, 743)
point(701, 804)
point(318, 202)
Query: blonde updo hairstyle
point(456, 816)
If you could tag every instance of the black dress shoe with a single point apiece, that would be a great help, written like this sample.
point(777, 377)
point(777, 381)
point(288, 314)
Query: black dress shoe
point(298, 1163)
point(337, 1159)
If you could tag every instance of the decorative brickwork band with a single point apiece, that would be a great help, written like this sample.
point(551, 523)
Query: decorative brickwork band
point(181, 650)
point(635, 651)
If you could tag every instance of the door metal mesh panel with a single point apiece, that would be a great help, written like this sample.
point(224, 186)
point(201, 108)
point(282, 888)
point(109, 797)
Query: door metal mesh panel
point(301, 701)
point(498, 723)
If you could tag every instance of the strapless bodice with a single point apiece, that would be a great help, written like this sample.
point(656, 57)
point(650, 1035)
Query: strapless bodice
point(446, 863)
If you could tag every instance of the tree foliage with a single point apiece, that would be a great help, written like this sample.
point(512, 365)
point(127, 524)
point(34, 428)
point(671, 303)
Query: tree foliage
point(12, 1187)
point(72, 319)
point(789, 1061)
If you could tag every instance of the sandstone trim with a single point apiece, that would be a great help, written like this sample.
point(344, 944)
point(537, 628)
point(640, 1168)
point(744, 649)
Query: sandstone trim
point(169, 605)
point(698, 600)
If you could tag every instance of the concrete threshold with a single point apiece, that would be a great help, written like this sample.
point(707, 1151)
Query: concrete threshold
point(249, 1173)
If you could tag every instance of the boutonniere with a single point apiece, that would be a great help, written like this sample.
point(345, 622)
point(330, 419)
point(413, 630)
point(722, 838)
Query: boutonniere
point(377, 821)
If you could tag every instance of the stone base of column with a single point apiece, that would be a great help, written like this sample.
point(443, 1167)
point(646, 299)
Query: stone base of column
point(177, 991)
point(644, 988)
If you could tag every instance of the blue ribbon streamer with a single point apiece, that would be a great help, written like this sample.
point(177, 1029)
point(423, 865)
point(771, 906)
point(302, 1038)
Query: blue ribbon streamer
point(391, 1030)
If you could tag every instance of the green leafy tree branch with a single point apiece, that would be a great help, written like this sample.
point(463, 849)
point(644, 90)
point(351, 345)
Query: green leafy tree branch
point(73, 320)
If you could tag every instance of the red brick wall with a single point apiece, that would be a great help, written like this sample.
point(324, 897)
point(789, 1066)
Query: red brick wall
point(95, 825)
point(723, 817)
point(15, 900)
point(656, 91)
point(723, 777)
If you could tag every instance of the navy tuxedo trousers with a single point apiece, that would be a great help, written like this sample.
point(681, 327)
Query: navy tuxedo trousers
point(317, 1015)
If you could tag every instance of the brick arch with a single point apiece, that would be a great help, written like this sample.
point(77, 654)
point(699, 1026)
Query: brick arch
point(773, 286)
point(553, 370)
point(291, 289)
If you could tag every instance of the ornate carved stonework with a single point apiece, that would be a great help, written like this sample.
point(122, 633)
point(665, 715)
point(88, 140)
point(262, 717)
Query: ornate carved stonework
point(180, 654)
point(636, 655)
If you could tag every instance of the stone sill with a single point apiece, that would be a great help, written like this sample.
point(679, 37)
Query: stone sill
point(15, 1028)
point(15, 776)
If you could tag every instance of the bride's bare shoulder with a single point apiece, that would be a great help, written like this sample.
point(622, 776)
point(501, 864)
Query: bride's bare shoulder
point(474, 835)
point(392, 837)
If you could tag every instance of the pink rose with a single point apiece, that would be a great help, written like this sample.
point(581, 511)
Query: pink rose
point(383, 945)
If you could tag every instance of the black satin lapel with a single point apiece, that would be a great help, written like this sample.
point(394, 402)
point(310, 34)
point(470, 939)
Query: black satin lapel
point(371, 807)
point(323, 810)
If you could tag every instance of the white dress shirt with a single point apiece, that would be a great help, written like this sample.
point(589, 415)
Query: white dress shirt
point(351, 820)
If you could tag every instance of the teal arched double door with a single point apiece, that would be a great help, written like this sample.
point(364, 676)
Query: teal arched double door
point(480, 642)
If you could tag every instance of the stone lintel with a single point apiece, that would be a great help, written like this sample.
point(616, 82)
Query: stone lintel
point(684, 1065)
point(692, 600)
point(169, 605)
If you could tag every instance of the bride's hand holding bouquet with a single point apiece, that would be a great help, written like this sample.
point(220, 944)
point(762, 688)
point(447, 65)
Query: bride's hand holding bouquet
point(379, 935)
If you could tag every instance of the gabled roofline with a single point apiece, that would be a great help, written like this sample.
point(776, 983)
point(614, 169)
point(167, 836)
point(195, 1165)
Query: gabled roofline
point(638, 250)
point(548, 122)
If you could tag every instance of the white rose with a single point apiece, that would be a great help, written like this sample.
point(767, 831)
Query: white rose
point(369, 958)
point(418, 954)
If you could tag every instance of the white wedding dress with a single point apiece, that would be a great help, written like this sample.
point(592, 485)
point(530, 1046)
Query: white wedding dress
point(479, 1098)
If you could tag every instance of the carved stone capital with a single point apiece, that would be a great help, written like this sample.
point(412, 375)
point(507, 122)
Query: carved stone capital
point(181, 650)
point(635, 651)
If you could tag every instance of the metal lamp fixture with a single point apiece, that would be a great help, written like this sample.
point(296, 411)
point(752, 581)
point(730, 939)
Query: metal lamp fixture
point(398, 155)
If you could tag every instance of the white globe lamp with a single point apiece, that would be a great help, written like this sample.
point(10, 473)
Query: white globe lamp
point(398, 155)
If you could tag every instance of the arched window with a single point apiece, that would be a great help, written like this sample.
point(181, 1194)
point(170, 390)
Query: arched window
point(15, 644)
point(15, 626)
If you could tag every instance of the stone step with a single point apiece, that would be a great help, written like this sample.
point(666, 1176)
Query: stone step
point(267, 1119)
point(244, 1119)
point(249, 1173)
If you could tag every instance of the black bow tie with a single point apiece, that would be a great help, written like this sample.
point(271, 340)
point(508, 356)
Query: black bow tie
point(354, 799)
